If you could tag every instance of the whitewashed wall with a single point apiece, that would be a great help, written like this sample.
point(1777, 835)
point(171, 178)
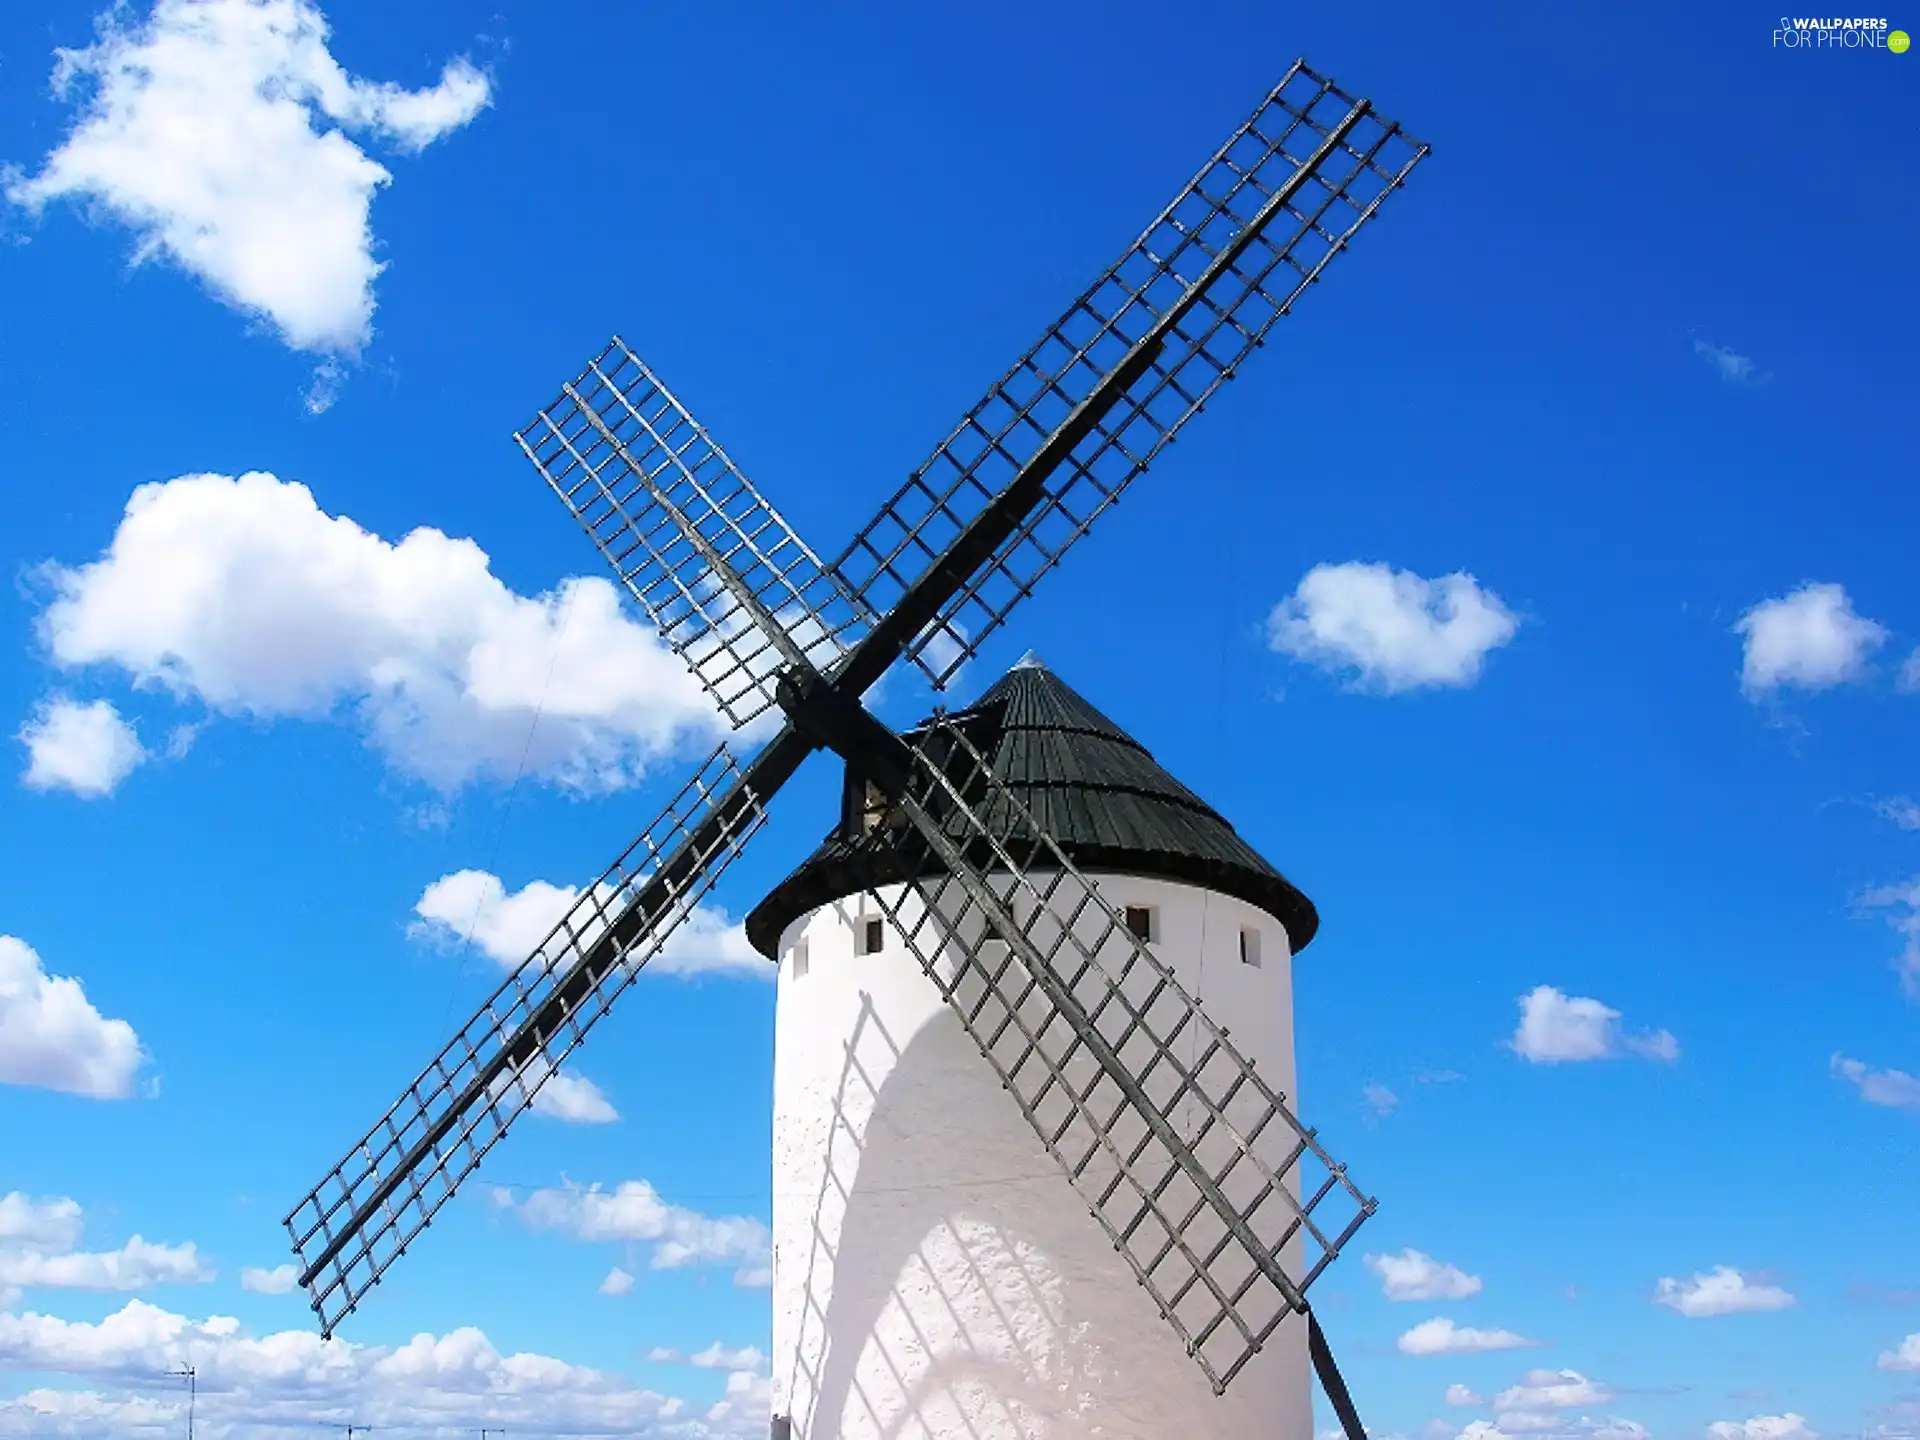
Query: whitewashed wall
point(934, 1273)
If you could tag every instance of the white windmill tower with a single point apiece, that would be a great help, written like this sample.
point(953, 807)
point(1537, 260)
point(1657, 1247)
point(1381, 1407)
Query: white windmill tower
point(934, 1272)
point(1072, 1032)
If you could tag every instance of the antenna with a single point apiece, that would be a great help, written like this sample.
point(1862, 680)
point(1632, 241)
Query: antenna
point(186, 1372)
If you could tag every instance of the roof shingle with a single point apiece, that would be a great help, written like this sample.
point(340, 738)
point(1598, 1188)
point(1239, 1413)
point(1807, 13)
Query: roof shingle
point(1095, 788)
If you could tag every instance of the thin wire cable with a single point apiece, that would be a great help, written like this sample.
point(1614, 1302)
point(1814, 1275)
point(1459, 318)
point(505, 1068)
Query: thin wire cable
point(506, 809)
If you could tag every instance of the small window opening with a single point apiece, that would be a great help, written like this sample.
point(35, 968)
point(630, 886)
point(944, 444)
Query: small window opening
point(1142, 920)
point(1250, 948)
point(800, 960)
point(873, 936)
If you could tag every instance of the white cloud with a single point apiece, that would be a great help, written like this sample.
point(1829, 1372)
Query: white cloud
point(1764, 1427)
point(137, 1265)
point(1482, 1430)
point(748, 1396)
point(87, 749)
point(215, 131)
point(507, 927)
point(1894, 1088)
point(1556, 1027)
point(1811, 639)
point(1458, 1394)
point(1901, 810)
point(1732, 368)
point(1910, 673)
point(1382, 1101)
point(53, 1224)
point(84, 1412)
point(715, 1357)
point(721, 1357)
point(278, 1281)
point(1901, 901)
point(39, 1249)
point(291, 1383)
point(618, 1282)
point(1531, 1422)
point(1440, 1336)
point(244, 595)
point(52, 1037)
point(634, 1212)
point(1412, 1275)
point(1720, 1291)
point(1906, 1358)
point(574, 1099)
point(1397, 630)
point(1552, 1390)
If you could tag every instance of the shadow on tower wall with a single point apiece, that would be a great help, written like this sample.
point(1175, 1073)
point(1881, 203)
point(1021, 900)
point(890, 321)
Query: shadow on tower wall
point(954, 1316)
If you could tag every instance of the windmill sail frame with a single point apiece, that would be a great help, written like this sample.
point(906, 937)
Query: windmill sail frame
point(762, 622)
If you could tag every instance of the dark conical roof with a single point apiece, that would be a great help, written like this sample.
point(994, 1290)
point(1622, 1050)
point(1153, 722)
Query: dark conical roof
point(1093, 787)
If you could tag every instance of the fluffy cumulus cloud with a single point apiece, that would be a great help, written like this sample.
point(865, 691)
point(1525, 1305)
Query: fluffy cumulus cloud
point(1440, 1336)
point(634, 1213)
point(1413, 1275)
point(52, 1037)
point(1764, 1427)
point(1722, 1290)
point(40, 1249)
point(280, 1280)
point(1894, 1088)
point(216, 130)
point(1905, 1357)
point(1556, 1027)
point(574, 1099)
point(51, 1224)
point(1392, 629)
point(85, 749)
point(1899, 903)
point(508, 926)
point(618, 1282)
point(292, 1383)
point(137, 1265)
point(1458, 1394)
point(1552, 1390)
point(244, 596)
point(1811, 639)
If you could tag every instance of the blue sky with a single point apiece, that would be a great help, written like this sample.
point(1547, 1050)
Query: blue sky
point(1634, 352)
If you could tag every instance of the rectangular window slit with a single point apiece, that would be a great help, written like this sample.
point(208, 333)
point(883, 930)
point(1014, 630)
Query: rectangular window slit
point(873, 934)
point(800, 960)
point(1142, 920)
point(1250, 948)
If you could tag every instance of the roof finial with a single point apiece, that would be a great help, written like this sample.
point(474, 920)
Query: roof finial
point(1029, 661)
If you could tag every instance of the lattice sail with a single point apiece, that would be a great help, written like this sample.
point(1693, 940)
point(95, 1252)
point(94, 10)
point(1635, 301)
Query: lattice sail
point(673, 516)
point(1214, 271)
point(363, 1216)
point(1226, 1206)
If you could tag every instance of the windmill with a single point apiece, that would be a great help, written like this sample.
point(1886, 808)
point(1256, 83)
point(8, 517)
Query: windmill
point(1196, 1184)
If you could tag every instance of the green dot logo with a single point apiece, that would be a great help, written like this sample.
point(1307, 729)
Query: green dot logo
point(1898, 42)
